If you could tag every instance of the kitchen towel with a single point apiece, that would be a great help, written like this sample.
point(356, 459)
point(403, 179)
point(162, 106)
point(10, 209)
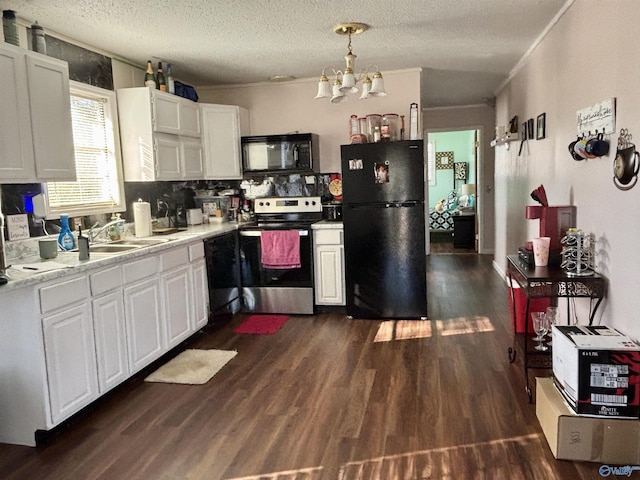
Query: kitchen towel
point(280, 249)
point(142, 218)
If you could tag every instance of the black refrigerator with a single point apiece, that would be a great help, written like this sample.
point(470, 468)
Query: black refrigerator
point(383, 203)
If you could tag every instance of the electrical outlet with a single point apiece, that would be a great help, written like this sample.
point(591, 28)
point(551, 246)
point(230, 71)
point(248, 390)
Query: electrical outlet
point(77, 223)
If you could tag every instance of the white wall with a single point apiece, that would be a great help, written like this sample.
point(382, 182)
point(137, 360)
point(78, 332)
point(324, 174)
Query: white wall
point(286, 107)
point(590, 55)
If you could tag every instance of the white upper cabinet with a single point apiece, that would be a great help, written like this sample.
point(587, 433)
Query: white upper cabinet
point(222, 127)
point(160, 136)
point(36, 137)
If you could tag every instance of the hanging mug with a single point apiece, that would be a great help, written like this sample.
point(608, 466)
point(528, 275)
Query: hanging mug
point(597, 146)
point(572, 151)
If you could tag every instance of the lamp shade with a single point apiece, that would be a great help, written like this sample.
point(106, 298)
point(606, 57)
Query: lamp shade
point(366, 86)
point(377, 86)
point(468, 189)
point(338, 95)
point(324, 89)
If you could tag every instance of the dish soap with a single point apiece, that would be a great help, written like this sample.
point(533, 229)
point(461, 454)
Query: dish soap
point(66, 240)
point(115, 230)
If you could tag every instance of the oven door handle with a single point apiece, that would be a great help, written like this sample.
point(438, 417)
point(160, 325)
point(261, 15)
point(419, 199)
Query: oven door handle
point(256, 233)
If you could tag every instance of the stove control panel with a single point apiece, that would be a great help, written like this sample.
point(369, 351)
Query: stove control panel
point(287, 205)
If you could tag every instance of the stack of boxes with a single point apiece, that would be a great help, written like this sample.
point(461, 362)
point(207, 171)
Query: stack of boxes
point(590, 410)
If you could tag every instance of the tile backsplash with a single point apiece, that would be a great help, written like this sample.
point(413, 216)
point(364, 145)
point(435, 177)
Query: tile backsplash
point(163, 197)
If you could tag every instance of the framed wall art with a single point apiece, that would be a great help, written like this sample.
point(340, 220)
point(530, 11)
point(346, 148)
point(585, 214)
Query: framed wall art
point(460, 170)
point(541, 126)
point(444, 160)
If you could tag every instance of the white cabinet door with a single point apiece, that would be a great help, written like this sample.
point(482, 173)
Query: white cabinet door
point(189, 119)
point(192, 161)
point(166, 112)
point(329, 275)
point(176, 292)
point(143, 319)
point(16, 150)
point(222, 128)
point(111, 340)
point(329, 266)
point(71, 362)
point(200, 289)
point(50, 104)
point(168, 163)
point(36, 139)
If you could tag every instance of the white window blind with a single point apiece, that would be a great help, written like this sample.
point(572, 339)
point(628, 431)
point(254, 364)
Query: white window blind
point(431, 162)
point(98, 188)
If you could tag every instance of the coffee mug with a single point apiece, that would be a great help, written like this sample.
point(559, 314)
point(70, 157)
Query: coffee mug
point(48, 248)
point(597, 146)
point(581, 149)
point(572, 150)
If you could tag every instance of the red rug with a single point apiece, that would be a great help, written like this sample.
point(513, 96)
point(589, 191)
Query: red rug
point(262, 324)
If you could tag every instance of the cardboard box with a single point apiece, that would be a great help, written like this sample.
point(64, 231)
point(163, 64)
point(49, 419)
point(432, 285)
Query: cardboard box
point(597, 370)
point(580, 438)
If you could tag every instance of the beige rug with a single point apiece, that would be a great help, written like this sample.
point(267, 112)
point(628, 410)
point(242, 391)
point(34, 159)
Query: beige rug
point(192, 367)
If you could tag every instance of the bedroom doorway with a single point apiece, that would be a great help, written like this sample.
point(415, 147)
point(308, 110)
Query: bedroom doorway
point(452, 158)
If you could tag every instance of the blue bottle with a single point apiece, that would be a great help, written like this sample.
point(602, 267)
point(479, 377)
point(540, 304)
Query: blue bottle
point(66, 241)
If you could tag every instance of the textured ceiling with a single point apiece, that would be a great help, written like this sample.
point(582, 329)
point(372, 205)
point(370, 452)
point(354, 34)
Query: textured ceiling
point(467, 47)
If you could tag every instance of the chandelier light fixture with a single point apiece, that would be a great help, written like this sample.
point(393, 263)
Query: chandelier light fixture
point(345, 81)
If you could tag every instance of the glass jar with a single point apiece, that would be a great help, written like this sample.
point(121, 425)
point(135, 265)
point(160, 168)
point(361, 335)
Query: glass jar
point(374, 122)
point(363, 127)
point(391, 127)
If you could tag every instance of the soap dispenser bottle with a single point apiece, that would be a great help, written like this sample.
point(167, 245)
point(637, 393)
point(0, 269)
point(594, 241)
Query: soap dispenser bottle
point(66, 240)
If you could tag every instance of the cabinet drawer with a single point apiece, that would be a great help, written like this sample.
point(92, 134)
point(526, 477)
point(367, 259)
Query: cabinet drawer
point(140, 269)
point(174, 258)
point(196, 251)
point(64, 293)
point(328, 237)
point(105, 280)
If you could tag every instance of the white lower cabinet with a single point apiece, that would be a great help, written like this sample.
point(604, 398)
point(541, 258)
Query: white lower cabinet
point(71, 362)
point(199, 286)
point(143, 319)
point(200, 294)
point(68, 341)
point(329, 267)
point(109, 327)
point(176, 291)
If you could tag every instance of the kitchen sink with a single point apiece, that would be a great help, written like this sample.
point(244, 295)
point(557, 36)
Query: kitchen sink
point(111, 248)
point(141, 242)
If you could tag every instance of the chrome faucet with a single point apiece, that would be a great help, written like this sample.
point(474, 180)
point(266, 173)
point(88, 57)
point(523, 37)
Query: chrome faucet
point(94, 234)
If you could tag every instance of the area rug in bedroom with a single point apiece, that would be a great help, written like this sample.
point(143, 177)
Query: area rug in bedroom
point(262, 324)
point(192, 367)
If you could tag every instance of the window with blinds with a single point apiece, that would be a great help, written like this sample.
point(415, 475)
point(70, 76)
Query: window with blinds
point(431, 162)
point(98, 188)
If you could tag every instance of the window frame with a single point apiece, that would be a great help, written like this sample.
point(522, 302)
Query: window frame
point(111, 117)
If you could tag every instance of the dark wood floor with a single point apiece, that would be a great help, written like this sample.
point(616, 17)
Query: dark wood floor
point(329, 398)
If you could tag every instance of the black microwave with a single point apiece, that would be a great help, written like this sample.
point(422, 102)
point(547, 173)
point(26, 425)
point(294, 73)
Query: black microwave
point(296, 152)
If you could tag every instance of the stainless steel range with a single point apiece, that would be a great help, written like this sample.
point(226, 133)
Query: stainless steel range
point(286, 289)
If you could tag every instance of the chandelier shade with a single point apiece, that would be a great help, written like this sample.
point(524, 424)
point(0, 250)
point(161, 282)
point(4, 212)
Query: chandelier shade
point(346, 81)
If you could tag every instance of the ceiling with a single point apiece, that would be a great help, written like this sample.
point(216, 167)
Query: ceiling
point(466, 47)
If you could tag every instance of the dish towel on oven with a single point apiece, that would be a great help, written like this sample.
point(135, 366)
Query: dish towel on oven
point(280, 248)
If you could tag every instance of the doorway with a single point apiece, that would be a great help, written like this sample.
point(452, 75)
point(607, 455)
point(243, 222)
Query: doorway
point(452, 171)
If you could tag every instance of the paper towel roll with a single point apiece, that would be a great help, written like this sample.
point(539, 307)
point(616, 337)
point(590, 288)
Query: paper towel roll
point(142, 219)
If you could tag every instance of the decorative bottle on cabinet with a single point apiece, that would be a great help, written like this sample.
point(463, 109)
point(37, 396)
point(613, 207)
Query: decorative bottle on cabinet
point(162, 84)
point(149, 78)
point(66, 241)
point(171, 88)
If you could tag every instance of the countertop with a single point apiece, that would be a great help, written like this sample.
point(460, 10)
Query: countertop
point(326, 225)
point(70, 264)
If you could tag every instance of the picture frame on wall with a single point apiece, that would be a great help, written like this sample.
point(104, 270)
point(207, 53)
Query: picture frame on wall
point(541, 126)
point(460, 170)
point(444, 160)
point(530, 131)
